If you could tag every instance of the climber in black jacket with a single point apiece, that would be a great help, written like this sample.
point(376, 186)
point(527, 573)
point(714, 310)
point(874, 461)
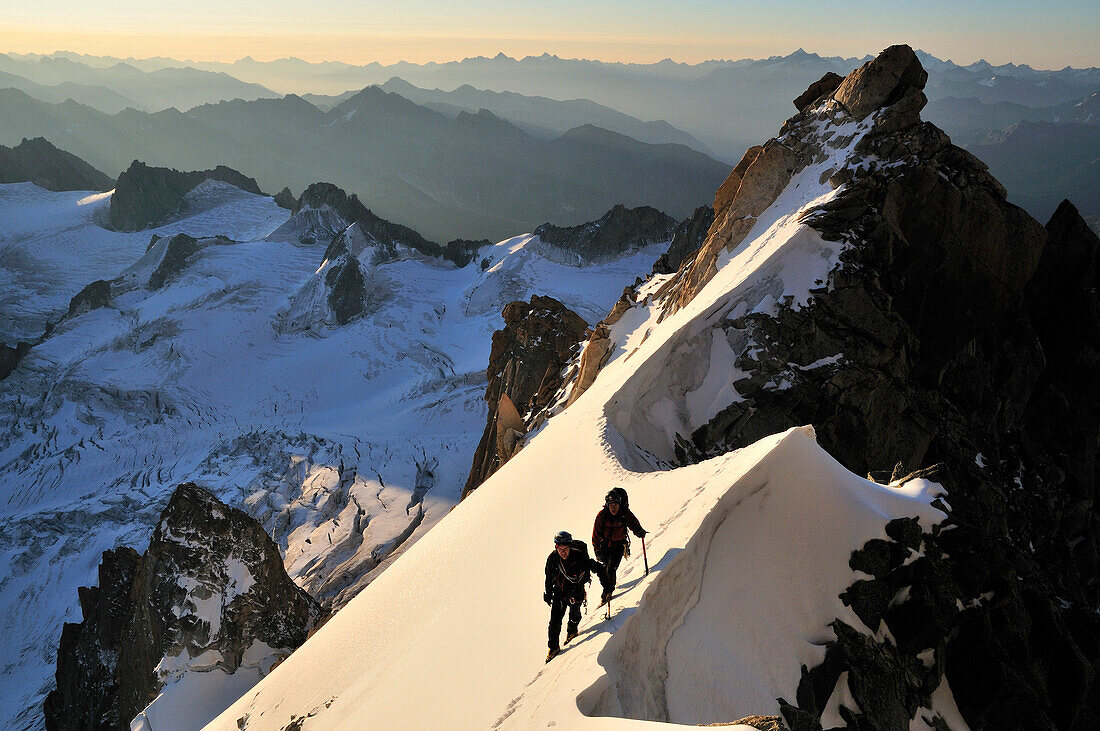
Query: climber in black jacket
point(568, 571)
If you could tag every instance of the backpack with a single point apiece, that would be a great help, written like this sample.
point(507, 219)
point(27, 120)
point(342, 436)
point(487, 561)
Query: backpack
point(582, 548)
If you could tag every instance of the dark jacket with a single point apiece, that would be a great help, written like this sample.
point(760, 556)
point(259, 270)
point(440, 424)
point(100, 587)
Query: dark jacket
point(567, 578)
point(610, 528)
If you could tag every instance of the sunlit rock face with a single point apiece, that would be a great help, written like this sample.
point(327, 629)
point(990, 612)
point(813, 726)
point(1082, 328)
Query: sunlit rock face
point(526, 368)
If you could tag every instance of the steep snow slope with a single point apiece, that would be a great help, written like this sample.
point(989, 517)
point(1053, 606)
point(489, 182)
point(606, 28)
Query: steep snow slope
point(346, 442)
point(760, 532)
point(748, 550)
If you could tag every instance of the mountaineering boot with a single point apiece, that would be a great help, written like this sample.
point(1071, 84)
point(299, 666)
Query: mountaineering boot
point(605, 597)
point(570, 633)
point(550, 655)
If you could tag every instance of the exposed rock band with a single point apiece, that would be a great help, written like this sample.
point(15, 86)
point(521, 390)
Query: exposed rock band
point(569, 568)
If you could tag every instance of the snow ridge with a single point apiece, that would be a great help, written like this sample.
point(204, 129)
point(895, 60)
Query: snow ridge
point(748, 550)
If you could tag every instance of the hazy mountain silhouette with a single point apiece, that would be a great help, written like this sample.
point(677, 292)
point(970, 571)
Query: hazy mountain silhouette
point(99, 97)
point(541, 116)
point(181, 87)
point(722, 105)
point(472, 176)
point(727, 105)
point(1042, 163)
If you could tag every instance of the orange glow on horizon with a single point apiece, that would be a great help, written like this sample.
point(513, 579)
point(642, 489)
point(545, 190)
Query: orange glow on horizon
point(385, 49)
point(440, 47)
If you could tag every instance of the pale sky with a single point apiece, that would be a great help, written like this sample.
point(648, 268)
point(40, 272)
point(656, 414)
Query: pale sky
point(1044, 35)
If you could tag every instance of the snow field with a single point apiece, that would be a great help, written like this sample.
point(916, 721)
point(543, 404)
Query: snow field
point(321, 435)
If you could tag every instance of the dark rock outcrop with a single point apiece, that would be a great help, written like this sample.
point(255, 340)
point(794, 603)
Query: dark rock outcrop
point(827, 84)
point(177, 250)
point(346, 290)
point(211, 584)
point(95, 295)
point(285, 199)
point(86, 696)
point(37, 161)
point(686, 240)
point(619, 231)
point(10, 357)
point(526, 369)
point(463, 251)
point(147, 195)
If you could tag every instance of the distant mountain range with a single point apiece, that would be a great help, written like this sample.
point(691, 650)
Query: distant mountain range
point(539, 116)
point(113, 88)
point(473, 176)
point(727, 105)
point(1042, 163)
point(719, 106)
point(973, 121)
point(1043, 155)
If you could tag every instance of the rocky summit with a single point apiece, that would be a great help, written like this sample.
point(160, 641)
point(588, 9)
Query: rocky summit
point(146, 195)
point(617, 232)
point(385, 235)
point(955, 338)
point(526, 369)
point(210, 595)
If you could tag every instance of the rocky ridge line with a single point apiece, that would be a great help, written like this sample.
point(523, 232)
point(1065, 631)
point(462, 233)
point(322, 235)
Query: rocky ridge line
point(618, 232)
point(946, 335)
point(954, 331)
point(146, 195)
point(386, 236)
point(39, 162)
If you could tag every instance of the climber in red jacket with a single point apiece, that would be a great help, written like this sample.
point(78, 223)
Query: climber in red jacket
point(609, 538)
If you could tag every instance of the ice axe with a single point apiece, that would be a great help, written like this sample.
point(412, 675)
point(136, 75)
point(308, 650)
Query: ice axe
point(645, 560)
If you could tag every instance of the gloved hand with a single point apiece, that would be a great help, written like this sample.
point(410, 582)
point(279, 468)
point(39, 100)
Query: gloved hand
point(546, 598)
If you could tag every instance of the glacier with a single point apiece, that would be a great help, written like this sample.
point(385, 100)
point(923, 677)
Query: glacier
point(348, 443)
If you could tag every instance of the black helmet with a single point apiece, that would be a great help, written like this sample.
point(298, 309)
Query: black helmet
point(562, 538)
point(612, 497)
